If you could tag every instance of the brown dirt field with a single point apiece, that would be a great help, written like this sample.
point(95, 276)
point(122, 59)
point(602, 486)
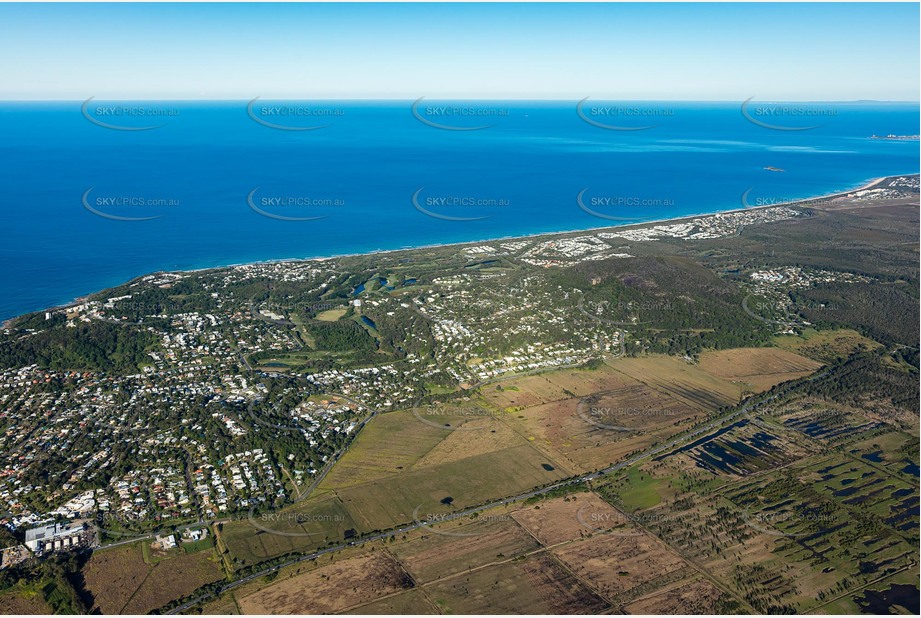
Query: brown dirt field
point(558, 429)
point(334, 588)
point(549, 387)
point(761, 368)
point(113, 575)
point(173, 579)
point(403, 604)
point(619, 565)
point(532, 390)
point(508, 399)
point(564, 593)
point(557, 520)
point(437, 555)
point(475, 437)
point(581, 383)
point(636, 407)
point(676, 378)
point(694, 597)
point(538, 585)
point(15, 602)
point(668, 389)
point(121, 582)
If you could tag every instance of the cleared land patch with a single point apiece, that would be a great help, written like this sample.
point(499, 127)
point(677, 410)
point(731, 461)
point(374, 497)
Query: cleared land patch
point(492, 537)
point(305, 526)
point(678, 379)
point(331, 315)
point(537, 585)
point(523, 392)
point(581, 382)
point(407, 603)
point(622, 567)
point(477, 437)
point(568, 518)
point(112, 576)
point(584, 432)
point(334, 588)
point(447, 487)
point(697, 596)
point(121, 582)
point(389, 444)
point(759, 368)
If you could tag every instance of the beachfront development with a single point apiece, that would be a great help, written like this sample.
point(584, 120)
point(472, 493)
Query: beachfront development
point(209, 404)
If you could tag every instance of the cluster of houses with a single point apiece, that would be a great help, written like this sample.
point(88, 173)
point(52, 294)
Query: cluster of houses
point(183, 414)
point(796, 277)
point(566, 251)
point(773, 286)
point(711, 226)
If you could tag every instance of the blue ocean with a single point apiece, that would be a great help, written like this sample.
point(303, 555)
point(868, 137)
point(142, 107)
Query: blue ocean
point(96, 193)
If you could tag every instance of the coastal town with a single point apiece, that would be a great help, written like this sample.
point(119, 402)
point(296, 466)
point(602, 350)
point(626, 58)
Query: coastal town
point(238, 400)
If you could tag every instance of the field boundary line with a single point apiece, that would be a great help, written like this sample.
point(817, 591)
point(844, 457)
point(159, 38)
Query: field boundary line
point(689, 561)
point(141, 585)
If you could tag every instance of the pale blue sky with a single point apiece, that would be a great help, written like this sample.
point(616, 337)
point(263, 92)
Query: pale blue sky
point(710, 52)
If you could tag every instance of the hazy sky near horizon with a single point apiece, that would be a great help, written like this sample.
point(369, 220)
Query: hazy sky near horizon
point(790, 51)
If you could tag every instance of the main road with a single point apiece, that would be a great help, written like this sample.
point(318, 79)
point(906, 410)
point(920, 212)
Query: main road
point(710, 426)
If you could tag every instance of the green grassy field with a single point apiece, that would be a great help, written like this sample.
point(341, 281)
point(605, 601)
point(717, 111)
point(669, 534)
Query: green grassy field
point(391, 443)
point(306, 526)
point(388, 502)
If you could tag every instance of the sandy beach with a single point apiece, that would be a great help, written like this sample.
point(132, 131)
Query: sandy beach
point(564, 233)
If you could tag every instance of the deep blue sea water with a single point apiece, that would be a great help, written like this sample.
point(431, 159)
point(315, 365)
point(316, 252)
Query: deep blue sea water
point(205, 169)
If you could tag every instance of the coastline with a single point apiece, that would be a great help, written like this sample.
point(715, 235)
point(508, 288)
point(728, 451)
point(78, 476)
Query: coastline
point(669, 221)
